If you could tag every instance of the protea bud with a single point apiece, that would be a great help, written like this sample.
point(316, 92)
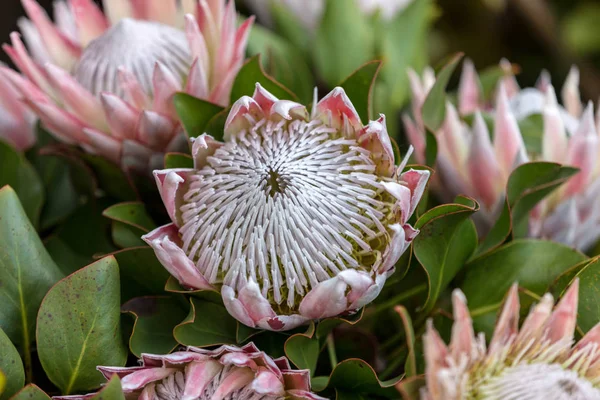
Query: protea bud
point(293, 217)
point(106, 82)
point(225, 373)
point(538, 361)
point(309, 12)
point(471, 163)
point(17, 122)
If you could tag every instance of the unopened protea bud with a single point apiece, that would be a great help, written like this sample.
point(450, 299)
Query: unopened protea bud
point(293, 217)
point(470, 162)
point(106, 82)
point(539, 361)
point(225, 373)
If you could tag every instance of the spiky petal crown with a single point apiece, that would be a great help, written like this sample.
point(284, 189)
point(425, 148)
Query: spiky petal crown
point(293, 217)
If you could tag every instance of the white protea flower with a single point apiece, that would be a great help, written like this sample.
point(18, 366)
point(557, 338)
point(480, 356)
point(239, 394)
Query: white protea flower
point(471, 162)
point(540, 361)
point(293, 217)
point(309, 12)
point(105, 81)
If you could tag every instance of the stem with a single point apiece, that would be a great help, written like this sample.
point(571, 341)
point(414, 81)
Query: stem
point(27, 363)
point(331, 351)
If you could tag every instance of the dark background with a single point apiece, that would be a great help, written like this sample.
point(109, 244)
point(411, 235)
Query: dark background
point(534, 34)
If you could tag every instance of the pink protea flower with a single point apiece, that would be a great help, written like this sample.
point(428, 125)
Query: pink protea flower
point(294, 217)
point(471, 163)
point(538, 361)
point(17, 122)
point(228, 372)
point(106, 82)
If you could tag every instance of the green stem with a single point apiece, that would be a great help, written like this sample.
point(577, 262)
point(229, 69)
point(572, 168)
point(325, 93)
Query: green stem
point(331, 351)
point(396, 300)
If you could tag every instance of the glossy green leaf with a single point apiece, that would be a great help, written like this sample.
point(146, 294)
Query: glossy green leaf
point(344, 41)
point(178, 160)
point(431, 149)
point(26, 273)
point(412, 24)
point(111, 391)
point(11, 366)
point(144, 274)
point(282, 60)
point(208, 324)
point(359, 88)
point(434, 108)
point(194, 113)
point(31, 392)
point(17, 172)
point(155, 318)
point(534, 264)
point(527, 185)
point(252, 73)
point(78, 327)
point(126, 236)
point(303, 351)
point(355, 379)
point(410, 367)
point(447, 240)
point(131, 213)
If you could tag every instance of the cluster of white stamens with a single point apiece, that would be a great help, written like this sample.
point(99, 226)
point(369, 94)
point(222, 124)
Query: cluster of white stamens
point(286, 205)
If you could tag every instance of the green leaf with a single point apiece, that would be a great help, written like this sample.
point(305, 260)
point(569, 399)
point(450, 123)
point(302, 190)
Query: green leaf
point(252, 73)
point(208, 324)
point(288, 25)
point(580, 28)
point(84, 236)
point(434, 108)
point(534, 264)
point(410, 366)
point(359, 88)
point(79, 327)
point(111, 178)
point(31, 392)
point(11, 366)
point(126, 236)
point(532, 131)
point(447, 240)
point(144, 274)
point(26, 273)
point(282, 60)
point(194, 113)
point(17, 172)
point(344, 41)
point(303, 350)
point(155, 318)
point(131, 213)
point(431, 149)
point(111, 391)
point(355, 379)
point(527, 185)
point(412, 24)
point(178, 160)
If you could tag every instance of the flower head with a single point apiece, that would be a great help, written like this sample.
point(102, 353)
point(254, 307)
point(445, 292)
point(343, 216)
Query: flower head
point(470, 162)
point(106, 81)
point(228, 372)
point(538, 361)
point(17, 122)
point(293, 217)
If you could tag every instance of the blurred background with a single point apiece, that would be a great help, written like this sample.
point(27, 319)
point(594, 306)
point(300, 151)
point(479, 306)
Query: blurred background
point(535, 34)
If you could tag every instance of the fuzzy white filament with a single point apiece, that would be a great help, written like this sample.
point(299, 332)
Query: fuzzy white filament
point(287, 205)
point(136, 46)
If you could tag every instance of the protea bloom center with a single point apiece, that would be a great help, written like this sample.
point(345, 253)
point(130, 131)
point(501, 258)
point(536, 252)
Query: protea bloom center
point(292, 217)
point(540, 361)
point(105, 81)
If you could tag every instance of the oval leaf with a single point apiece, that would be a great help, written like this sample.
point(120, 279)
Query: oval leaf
point(142, 271)
point(27, 272)
point(303, 350)
point(31, 392)
point(194, 113)
point(252, 73)
point(11, 366)
point(79, 327)
point(208, 324)
point(359, 88)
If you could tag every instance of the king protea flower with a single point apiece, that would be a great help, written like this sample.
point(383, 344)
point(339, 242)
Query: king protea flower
point(540, 361)
point(106, 81)
point(293, 217)
point(17, 122)
point(228, 372)
point(309, 12)
point(471, 163)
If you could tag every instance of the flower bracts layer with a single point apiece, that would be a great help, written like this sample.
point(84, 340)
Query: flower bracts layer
point(225, 373)
point(537, 361)
point(106, 82)
point(293, 217)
